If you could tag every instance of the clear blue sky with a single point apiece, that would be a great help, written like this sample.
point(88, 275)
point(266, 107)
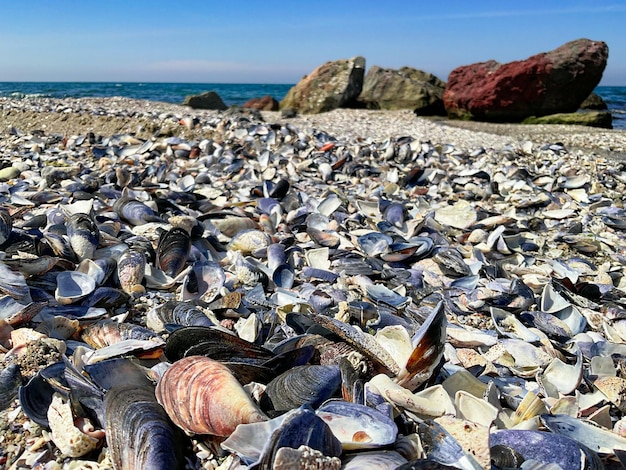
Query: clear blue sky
point(272, 41)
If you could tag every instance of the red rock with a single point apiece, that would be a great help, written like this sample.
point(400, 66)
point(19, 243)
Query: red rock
point(548, 83)
point(265, 103)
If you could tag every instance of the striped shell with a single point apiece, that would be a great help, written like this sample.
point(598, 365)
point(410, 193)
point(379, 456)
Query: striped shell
point(202, 396)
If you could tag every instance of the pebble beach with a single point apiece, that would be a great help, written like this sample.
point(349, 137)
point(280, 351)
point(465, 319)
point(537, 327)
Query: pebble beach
point(472, 229)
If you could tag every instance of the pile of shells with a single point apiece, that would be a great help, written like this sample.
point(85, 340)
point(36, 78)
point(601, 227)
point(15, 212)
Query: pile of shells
point(269, 297)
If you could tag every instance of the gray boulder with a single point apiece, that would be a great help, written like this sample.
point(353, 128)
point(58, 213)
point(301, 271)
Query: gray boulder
point(595, 102)
point(208, 100)
point(331, 85)
point(404, 88)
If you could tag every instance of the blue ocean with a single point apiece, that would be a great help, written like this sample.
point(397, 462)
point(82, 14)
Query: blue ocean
point(231, 93)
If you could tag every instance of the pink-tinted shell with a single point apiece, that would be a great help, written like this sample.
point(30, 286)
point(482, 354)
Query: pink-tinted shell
point(202, 396)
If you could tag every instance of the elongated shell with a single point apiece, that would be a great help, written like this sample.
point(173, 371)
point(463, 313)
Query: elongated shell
point(309, 384)
point(201, 396)
point(10, 381)
point(138, 432)
point(135, 212)
point(131, 268)
point(6, 226)
point(173, 251)
point(83, 235)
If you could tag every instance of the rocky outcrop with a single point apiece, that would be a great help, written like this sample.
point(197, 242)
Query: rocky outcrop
point(404, 88)
point(548, 83)
point(600, 119)
point(332, 85)
point(594, 102)
point(264, 103)
point(208, 100)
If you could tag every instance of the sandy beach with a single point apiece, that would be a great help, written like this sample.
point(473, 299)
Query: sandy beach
point(107, 116)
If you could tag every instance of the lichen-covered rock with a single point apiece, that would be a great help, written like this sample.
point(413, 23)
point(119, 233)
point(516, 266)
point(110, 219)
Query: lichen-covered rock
point(332, 85)
point(208, 100)
point(548, 83)
point(404, 88)
point(264, 103)
point(601, 119)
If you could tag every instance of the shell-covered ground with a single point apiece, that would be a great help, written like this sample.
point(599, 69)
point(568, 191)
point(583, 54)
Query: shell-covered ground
point(356, 289)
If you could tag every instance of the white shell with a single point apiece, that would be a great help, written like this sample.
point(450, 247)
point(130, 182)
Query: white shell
point(73, 286)
point(560, 377)
point(67, 437)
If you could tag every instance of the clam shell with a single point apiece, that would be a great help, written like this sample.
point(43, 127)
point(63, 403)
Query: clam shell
point(201, 396)
point(249, 241)
point(374, 460)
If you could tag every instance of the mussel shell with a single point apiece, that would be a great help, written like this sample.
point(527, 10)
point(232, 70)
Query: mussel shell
point(374, 243)
point(14, 284)
point(358, 426)
point(10, 381)
point(544, 447)
point(284, 276)
point(179, 313)
point(138, 432)
point(83, 235)
point(73, 286)
point(173, 251)
point(107, 332)
point(308, 384)
point(135, 212)
point(6, 226)
point(451, 263)
point(35, 397)
point(131, 268)
point(300, 427)
point(201, 396)
point(213, 343)
point(106, 297)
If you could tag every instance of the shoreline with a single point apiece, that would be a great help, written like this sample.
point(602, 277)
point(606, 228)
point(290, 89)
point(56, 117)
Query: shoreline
point(107, 116)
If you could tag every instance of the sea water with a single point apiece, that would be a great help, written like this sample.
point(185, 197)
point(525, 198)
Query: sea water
point(231, 93)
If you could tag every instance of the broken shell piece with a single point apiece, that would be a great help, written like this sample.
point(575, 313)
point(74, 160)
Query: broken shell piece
point(65, 435)
point(472, 437)
point(560, 377)
point(428, 403)
point(614, 388)
point(474, 409)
